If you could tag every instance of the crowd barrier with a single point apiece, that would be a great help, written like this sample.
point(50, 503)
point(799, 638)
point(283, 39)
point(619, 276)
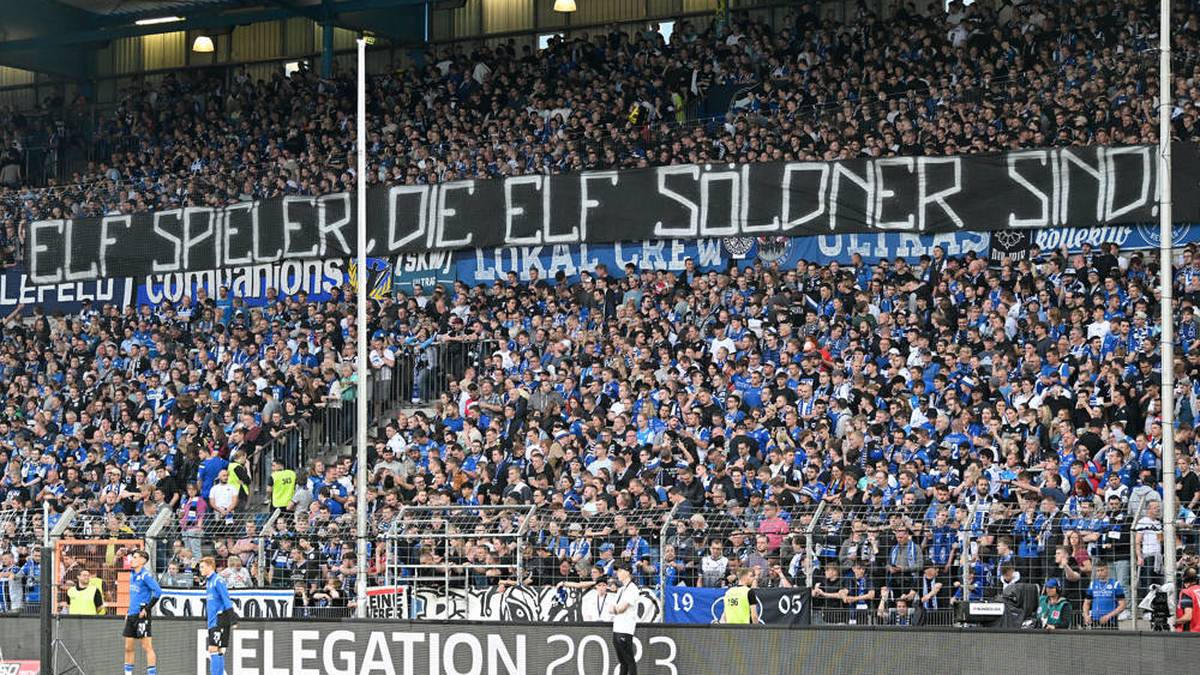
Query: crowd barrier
point(485, 648)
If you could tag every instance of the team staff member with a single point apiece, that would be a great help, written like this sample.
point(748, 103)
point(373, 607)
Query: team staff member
point(219, 611)
point(741, 604)
point(1187, 612)
point(86, 597)
point(144, 591)
point(624, 617)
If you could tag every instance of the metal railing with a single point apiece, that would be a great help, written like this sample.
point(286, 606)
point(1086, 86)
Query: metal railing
point(458, 547)
point(864, 564)
point(175, 551)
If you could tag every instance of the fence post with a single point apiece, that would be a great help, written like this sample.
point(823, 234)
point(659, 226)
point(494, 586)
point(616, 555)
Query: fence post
point(809, 549)
point(522, 532)
point(964, 537)
point(152, 534)
point(262, 546)
point(662, 569)
point(1134, 569)
point(446, 558)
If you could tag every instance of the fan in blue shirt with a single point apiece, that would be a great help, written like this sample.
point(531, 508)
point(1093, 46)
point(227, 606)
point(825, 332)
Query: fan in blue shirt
point(1105, 599)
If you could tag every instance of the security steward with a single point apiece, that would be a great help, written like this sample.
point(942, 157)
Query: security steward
point(741, 604)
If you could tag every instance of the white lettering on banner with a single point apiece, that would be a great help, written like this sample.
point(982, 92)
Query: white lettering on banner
point(325, 227)
point(865, 183)
point(724, 227)
point(586, 203)
point(18, 289)
point(377, 659)
point(177, 261)
point(882, 193)
point(315, 277)
point(1032, 188)
point(385, 652)
point(396, 215)
point(924, 197)
point(232, 230)
point(1073, 239)
point(1111, 211)
point(1097, 173)
point(787, 223)
point(693, 226)
point(249, 603)
point(877, 246)
point(442, 213)
point(512, 211)
point(343, 662)
point(441, 261)
point(495, 264)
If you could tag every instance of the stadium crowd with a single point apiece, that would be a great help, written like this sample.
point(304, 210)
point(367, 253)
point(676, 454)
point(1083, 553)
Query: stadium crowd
point(914, 398)
point(991, 76)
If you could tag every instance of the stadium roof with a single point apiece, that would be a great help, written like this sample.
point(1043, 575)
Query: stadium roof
point(51, 36)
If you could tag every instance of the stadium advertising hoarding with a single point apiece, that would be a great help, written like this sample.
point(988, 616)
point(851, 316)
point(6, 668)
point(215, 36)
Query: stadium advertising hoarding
point(1030, 189)
point(498, 648)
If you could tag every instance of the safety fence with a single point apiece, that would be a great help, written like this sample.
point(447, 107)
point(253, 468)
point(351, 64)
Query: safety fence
point(508, 648)
point(850, 565)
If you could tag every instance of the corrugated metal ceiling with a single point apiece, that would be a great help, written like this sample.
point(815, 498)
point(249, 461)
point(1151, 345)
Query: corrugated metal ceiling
point(121, 7)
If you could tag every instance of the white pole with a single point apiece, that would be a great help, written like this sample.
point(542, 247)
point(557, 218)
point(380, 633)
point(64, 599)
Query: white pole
point(361, 307)
point(1166, 284)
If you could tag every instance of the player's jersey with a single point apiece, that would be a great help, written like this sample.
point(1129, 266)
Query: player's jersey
point(217, 595)
point(143, 589)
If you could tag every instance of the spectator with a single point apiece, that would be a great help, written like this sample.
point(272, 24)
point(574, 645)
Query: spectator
point(235, 574)
point(1105, 600)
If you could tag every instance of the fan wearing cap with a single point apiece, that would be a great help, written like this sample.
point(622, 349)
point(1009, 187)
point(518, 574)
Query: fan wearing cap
point(1054, 610)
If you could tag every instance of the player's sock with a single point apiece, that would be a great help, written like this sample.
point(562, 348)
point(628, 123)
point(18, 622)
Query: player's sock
point(216, 664)
point(151, 670)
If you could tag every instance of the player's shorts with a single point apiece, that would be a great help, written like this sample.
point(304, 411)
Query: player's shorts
point(136, 627)
point(218, 637)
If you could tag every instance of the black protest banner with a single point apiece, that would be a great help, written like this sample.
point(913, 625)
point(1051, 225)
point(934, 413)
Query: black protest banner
point(1028, 189)
point(785, 606)
point(1010, 246)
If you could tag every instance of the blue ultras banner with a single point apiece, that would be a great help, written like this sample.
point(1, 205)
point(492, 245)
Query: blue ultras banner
point(788, 251)
point(1129, 238)
point(317, 279)
point(16, 288)
point(487, 266)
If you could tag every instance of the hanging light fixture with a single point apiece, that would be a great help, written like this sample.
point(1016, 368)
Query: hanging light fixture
point(564, 6)
point(203, 45)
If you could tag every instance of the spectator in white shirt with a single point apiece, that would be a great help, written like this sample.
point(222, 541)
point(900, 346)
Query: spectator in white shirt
point(223, 498)
point(235, 574)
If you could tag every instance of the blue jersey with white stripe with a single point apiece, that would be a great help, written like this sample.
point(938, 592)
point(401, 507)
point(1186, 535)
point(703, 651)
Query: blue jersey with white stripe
point(216, 593)
point(143, 589)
